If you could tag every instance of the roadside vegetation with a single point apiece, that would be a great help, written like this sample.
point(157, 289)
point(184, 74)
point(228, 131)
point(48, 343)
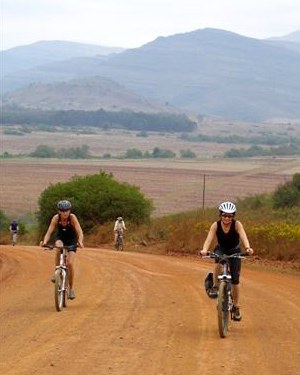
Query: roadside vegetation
point(272, 221)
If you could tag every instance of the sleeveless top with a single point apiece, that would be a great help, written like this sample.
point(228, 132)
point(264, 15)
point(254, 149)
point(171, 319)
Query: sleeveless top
point(67, 234)
point(230, 240)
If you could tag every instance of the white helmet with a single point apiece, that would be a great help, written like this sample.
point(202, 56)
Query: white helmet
point(227, 207)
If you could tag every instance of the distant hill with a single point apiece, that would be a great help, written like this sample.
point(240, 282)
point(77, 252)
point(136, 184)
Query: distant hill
point(292, 37)
point(83, 94)
point(290, 41)
point(210, 72)
point(44, 52)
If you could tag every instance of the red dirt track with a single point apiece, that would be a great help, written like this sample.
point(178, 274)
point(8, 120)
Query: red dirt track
point(141, 314)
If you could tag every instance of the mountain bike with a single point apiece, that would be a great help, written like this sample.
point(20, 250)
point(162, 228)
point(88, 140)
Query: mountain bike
point(61, 275)
point(119, 245)
point(224, 298)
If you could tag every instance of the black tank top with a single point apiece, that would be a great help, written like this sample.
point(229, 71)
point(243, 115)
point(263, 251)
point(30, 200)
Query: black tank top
point(230, 240)
point(67, 234)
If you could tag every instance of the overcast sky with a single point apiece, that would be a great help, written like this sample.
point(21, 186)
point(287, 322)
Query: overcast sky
point(132, 23)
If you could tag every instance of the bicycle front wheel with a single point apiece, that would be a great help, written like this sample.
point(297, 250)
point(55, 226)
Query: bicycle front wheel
point(223, 309)
point(119, 244)
point(66, 289)
point(59, 290)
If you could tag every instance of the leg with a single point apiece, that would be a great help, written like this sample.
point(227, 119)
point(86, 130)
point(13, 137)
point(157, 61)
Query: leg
point(58, 243)
point(71, 262)
point(236, 294)
point(235, 269)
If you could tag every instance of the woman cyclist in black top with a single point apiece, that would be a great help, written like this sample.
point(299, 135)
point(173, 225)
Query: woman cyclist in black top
point(228, 232)
point(69, 233)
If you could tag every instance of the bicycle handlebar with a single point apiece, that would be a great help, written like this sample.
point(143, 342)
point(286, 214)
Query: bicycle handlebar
point(213, 255)
point(53, 247)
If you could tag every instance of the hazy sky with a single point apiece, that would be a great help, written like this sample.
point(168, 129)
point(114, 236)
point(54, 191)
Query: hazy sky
point(132, 23)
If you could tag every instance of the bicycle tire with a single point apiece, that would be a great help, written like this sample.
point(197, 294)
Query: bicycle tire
point(119, 244)
point(66, 291)
point(223, 309)
point(59, 293)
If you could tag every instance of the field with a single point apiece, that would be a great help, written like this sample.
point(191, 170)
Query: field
point(174, 186)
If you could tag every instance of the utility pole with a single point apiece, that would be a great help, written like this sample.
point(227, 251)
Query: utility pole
point(203, 193)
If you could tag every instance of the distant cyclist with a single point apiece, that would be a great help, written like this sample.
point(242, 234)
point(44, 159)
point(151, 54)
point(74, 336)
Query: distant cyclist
point(228, 233)
point(119, 227)
point(69, 233)
point(14, 229)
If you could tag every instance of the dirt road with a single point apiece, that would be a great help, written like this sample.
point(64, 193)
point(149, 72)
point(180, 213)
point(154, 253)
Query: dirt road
point(141, 314)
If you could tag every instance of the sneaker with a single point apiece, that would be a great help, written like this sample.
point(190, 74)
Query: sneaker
point(213, 292)
point(71, 294)
point(236, 314)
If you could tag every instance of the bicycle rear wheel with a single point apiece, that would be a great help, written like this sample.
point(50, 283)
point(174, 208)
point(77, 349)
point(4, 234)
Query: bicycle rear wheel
point(59, 291)
point(223, 309)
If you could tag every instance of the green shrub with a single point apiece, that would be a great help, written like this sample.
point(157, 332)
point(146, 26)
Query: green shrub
point(4, 221)
point(288, 195)
point(96, 199)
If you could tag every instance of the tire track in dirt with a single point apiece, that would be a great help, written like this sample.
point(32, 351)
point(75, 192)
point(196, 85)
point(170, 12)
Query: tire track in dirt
point(142, 314)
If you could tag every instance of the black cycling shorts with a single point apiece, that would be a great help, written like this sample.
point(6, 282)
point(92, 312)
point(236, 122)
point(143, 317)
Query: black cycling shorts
point(234, 264)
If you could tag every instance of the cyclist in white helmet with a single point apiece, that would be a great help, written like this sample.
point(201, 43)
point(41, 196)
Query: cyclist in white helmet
point(229, 233)
point(69, 233)
point(119, 227)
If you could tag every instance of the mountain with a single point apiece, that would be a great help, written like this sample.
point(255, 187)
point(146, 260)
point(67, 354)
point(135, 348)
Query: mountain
point(44, 52)
point(83, 94)
point(290, 41)
point(209, 72)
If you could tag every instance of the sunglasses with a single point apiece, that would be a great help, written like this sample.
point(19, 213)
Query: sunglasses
point(64, 210)
point(227, 215)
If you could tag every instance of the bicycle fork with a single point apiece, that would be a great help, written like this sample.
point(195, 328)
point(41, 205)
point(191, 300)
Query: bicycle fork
point(62, 271)
point(225, 277)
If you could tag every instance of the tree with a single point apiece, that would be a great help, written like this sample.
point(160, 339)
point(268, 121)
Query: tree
point(187, 154)
point(43, 151)
point(133, 153)
point(96, 199)
point(160, 153)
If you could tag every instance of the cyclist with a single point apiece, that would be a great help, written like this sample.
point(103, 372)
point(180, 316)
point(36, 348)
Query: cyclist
point(119, 227)
point(69, 233)
point(14, 229)
point(228, 232)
